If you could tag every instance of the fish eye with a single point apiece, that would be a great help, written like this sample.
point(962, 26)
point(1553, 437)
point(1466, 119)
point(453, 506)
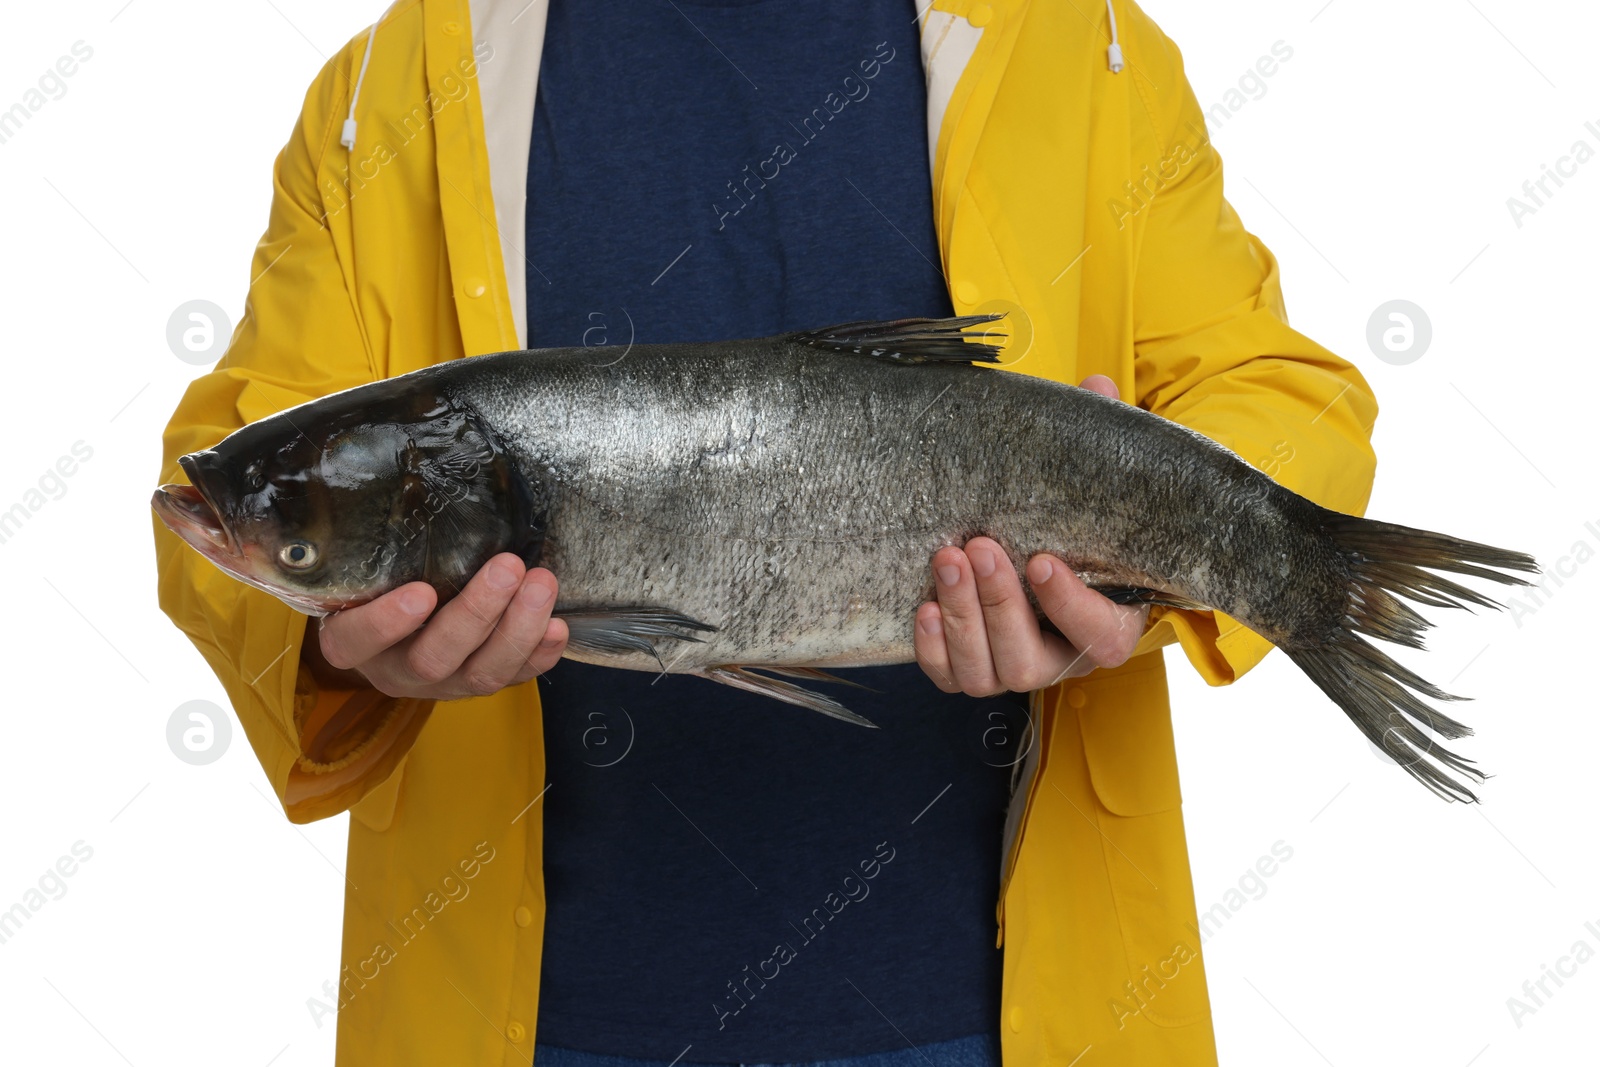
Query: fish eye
point(298, 555)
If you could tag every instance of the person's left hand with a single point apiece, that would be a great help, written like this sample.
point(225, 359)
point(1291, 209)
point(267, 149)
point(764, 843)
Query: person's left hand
point(981, 636)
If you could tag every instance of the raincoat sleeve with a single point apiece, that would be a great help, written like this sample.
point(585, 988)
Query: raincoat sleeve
point(300, 337)
point(1213, 349)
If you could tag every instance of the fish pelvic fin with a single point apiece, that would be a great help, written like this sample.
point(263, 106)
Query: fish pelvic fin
point(742, 677)
point(616, 630)
point(909, 340)
point(1385, 563)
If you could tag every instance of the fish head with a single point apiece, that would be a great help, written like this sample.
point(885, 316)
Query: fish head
point(332, 504)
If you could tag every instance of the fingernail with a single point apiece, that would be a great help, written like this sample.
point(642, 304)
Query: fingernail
point(537, 595)
point(1039, 570)
point(931, 624)
point(414, 602)
point(949, 574)
point(549, 642)
point(502, 577)
point(982, 561)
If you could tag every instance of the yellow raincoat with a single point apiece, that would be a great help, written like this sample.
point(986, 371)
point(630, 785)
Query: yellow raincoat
point(1086, 202)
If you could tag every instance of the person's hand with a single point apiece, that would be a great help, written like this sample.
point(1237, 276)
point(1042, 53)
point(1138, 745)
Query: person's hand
point(497, 632)
point(981, 636)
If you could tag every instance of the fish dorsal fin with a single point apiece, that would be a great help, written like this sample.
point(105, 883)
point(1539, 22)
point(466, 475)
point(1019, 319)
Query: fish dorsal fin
point(909, 340)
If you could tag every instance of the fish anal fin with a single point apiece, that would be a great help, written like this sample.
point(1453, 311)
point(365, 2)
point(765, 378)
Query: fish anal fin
point(742, 677)
point(815, 674)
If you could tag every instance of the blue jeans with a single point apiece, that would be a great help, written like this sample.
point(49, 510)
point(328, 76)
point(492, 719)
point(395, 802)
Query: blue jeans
point(980, 1050)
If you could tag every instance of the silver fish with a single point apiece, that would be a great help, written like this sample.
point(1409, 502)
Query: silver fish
point(755, 512)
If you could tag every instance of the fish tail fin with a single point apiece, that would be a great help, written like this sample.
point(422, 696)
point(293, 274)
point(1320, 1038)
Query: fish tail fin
point(1383, 698)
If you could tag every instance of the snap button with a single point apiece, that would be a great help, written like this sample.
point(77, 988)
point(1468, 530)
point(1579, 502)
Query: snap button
point(1014, 1019)
point(452, 28)
point(967, 292)
point(474, 287)
point(980, 15)
point(1076, 697)
point(523, 916)
point(515, 1032)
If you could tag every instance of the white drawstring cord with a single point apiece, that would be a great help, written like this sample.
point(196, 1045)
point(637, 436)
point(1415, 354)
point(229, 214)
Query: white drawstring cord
point(1113, 54)
point(347, 136)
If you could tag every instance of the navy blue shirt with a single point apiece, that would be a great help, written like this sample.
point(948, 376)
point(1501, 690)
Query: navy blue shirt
point(722, 870)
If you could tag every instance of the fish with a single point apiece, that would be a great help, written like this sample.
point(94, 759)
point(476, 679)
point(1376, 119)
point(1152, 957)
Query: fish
point(760, 512)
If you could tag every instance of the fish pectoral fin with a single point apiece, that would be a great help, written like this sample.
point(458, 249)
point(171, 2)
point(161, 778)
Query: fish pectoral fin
point(740, 677)
point(1137, 594)
point(614, 630)
point(909, 340)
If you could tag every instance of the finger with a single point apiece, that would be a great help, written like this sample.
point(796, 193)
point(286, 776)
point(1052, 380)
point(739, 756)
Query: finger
point(932, 655)
point(962, 617)
point(545, 656)
point(1105, 633)
point(462, 625)
point(1099, 383)
point(514, 639)
point(352, 637)
point(1016, 647)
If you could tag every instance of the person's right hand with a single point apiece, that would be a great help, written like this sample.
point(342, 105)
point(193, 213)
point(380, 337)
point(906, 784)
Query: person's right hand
point(497, 632)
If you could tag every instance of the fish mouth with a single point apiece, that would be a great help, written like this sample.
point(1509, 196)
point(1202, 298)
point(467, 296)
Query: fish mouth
point(190, 512)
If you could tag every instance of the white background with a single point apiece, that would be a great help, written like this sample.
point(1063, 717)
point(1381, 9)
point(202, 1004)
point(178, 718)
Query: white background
point(1377, 163)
